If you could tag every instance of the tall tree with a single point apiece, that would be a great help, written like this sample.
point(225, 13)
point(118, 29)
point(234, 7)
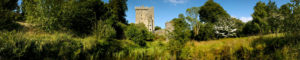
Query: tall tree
point(260, 16)
point(285, 10)
point(211, 11)
point(259, 12)
point(274, 17)
point(116, 15)
point(292, 23)
point(192, 17)
point(271, 8)
point(118, 10)
point(78, 16)
point(7, 14)
point(157, 28)
point(181, 29)
point(193, 12)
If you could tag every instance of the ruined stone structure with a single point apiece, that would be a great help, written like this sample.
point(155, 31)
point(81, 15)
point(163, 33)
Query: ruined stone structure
point(145, 15)
point(169, 26)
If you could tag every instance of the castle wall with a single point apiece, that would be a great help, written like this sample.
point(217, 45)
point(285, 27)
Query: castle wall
point(145, 15)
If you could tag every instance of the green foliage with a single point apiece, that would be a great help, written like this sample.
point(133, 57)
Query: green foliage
point(7, 14)
point(271, 8)
point(78, 16)
point(106, 22)
point(239, 25)
point(282, 48)
point(291, 24)
point(192, 18)
point(157, 28)
point(285, 10)
point(193, 12)
point(182, 30)
point(259, 11)
point(260, 23)
point(104, 31)
point(118, 9)
point(16, 45)
point(206, 32)
point(81, 16)
point(39, 12)
point(211, 11)
point(138, 33)
point(251, 28)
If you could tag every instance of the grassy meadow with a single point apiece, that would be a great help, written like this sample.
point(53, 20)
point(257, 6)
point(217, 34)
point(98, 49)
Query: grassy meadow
point(32, 45)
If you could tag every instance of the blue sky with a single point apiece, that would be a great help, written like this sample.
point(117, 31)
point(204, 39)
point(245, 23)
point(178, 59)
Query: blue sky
point(166, 10)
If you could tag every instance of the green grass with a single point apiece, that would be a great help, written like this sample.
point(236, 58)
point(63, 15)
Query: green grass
point(16, 45)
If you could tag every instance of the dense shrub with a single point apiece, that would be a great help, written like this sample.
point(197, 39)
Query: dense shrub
point(181, 32)
point(138, 33)
point(104, 31)
point(16, 45)
point(251, 28)
point(7, 20)
point(77, 16)
point(157, 28)
point(206, 32)
point(9, 14)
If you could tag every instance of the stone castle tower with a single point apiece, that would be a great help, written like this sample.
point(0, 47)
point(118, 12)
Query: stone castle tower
point(145, 15)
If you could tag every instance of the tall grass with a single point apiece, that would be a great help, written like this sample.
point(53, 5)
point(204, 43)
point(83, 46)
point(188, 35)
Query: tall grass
point(63, 46)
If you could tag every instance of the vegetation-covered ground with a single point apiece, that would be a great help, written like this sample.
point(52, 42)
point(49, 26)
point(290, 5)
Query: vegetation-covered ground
point(97, 30)
point(31, 45)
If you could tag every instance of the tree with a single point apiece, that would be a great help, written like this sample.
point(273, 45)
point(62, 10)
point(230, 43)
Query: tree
point(104, 31)
point(225, 27)
point(206, 32)
point(251, 28)
point(291, 24)
point(192, 17)
point(8, 15)
point(77, 16)
point(271, 8)
point(116, 14)
point(43, 13)
point(193, 12)
point(211, 11)
point(138, 33)
point(181, 29)
point(260, 16)
point(239, 25)
point(82, 16)
point(157, 28)
point(285, 10)
point(259, 12)
point(118, 10)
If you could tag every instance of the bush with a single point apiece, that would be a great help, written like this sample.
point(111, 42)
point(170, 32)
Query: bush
point(104, 31)
point(15, 45)
point(79, 18)
point(7, 21)
point(181, 31)
point(206, 32)
point(9, 14)
point(251, 28)
point(157, 28)
point(138, 33)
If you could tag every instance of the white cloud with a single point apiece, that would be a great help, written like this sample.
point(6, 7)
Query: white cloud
point(177, 1)
point(233, 17)
point(246, 19)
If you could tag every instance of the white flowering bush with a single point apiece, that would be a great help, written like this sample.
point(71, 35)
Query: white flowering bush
point(225, 27)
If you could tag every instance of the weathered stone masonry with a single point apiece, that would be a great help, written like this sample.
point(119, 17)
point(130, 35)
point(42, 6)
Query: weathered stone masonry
point(145, 15)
